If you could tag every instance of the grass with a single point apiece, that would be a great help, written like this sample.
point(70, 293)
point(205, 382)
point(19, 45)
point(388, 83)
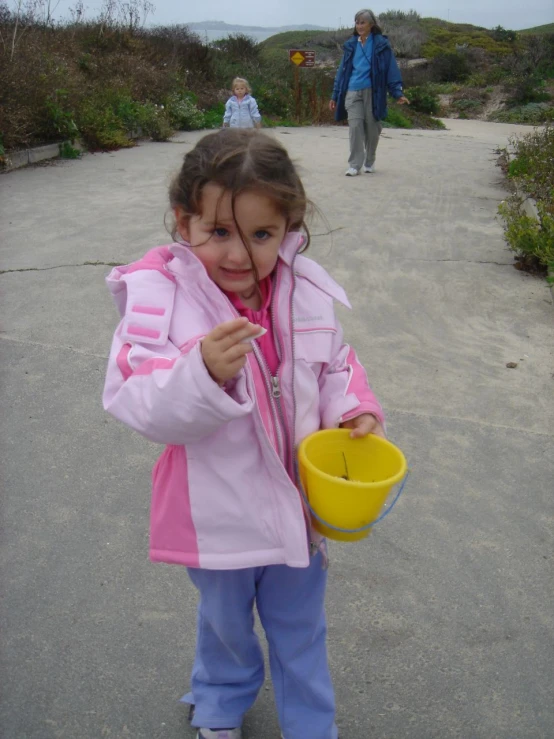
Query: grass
point(546, 28)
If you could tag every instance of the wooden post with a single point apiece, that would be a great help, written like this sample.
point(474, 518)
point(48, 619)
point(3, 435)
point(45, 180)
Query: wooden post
point(297, 93)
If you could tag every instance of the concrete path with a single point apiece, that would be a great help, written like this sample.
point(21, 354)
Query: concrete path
point(441, 623)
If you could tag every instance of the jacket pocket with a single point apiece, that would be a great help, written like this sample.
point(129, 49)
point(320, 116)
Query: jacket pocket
point(314, 345)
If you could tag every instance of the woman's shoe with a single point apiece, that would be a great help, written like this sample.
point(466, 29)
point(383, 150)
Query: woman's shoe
point(351, 172)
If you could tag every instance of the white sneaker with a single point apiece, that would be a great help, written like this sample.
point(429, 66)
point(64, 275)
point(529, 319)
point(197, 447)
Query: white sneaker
point(369, 170)
point(219, 734)
point(351, 172)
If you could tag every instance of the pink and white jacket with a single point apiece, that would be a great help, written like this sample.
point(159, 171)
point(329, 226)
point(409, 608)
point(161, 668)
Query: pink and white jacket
point(223, 496)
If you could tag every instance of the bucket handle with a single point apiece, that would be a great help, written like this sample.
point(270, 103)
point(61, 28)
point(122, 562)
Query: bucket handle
point(349, 531)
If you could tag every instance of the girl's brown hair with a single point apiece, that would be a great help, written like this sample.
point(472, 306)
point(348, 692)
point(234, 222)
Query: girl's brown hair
point(241, 160)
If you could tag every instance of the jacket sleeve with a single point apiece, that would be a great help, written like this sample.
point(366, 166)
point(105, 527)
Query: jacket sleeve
point(394, 78)
point(228, 111)
point(344, 391)
point(167, 394)
point(254, 112)
point(336, 85)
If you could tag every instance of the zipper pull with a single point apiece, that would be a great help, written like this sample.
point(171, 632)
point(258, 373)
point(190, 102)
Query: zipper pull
point(276, 388)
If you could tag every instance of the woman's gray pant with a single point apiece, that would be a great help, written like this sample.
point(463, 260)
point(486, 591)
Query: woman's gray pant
point(363, 128)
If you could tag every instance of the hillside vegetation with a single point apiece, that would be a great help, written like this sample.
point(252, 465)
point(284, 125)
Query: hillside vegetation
point(108, 79)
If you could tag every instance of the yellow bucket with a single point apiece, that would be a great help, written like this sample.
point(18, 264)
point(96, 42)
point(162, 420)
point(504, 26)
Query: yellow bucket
point(347, 481)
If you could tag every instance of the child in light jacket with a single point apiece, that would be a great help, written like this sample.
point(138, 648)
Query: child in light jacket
point(229, 352)
point(241, 110)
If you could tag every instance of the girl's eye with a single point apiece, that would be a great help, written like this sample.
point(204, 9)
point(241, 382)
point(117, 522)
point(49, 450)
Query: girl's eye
point(221, 232)
point(262, 235)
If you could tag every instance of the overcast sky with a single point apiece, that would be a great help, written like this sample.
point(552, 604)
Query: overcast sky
point(512, 14)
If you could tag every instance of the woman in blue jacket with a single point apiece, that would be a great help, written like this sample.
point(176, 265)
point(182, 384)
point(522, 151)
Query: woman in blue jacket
point(367, 70)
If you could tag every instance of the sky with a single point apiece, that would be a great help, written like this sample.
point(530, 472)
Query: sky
point(511, 14)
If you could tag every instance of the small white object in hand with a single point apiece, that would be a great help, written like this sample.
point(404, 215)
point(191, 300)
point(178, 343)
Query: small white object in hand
point(259, 335)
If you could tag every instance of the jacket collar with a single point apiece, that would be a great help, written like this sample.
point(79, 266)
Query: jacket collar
point(380, 41)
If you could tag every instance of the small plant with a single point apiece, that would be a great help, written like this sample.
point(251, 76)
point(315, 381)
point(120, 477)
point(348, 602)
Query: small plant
point(527, 236)
point(183, 114)
point(395, 119)
point(424, 100)
point(450, 67)
point(61, 119)
point(100, 127)
point(155, 122)
point(533, 114)
point(213, 118)
point(533, 165)
point(69, 152)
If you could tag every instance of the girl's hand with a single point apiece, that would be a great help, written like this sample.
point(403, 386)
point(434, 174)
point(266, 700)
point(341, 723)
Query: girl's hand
point(364, 425)
point(403, 100)
point(332, 105)
point(222, 351)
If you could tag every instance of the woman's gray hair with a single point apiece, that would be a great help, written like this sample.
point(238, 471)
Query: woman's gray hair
point(370, 16)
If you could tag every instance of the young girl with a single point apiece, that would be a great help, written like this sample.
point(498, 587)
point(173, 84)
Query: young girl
point(189, 368)
point(241, 110)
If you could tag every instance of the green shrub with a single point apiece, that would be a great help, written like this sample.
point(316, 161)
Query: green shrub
point(533, 164)
point(100, 127)
point(182, 112)
point(61, 117)
point(423, 99)
point(533, 114)
point(395, 119)
point(527, 236)
point(526, 88)
point(477, 79)
point(275, 100)
point(155, 122)
point(213, 117)
point(69, 152)
point(450, 67)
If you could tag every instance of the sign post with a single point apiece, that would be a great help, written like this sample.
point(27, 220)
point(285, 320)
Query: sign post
point(300, 58)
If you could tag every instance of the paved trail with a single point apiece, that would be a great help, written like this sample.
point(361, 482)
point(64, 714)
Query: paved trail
point(441, 622)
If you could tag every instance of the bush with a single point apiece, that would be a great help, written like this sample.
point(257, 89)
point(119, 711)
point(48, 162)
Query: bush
point(533, 164)
point(395, 119)
point(423, 99)
point(533, 114)
point(450, 67)
point(526, 88)
point(406, 40)
point(213, 118)
point(100, 127)
point(527, 236)
point(155, 122)
point(238, 48)
point(183, 113)
point(411, 16)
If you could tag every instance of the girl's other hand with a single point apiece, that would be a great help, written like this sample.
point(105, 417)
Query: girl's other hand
point(403, 100)
point(364, 425)
point(223, 352)
point(332, 105)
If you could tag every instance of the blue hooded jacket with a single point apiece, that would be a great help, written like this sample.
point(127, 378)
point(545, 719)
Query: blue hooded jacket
point(385, 75)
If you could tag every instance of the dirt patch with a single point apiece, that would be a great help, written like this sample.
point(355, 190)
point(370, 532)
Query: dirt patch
point(530, 264)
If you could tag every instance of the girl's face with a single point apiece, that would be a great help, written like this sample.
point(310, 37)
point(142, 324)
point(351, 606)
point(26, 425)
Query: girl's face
point(363, 27)
point(240, 90)
point(217, 242)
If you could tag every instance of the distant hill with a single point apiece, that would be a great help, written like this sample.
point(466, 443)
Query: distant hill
point(547, 28)
point(232, 28)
